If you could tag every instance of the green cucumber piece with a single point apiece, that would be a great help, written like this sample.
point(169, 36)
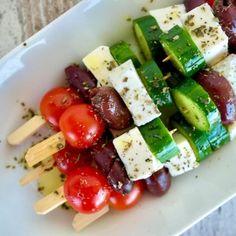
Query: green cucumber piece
point(182, 51)
point(156, 86)
point(218, 136)
point(50, 181)
point(159, 140)
point(195, 105)
point(147, 32)
point(122, 52)
point(198, 139)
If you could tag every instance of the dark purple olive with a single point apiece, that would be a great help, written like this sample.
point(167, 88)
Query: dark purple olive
point(191, 4)
point(108, 103)
point(119, 179)
point(104, 154)
point(81, 80)
point(221, 92)
point(159, 183)
point(225, 10)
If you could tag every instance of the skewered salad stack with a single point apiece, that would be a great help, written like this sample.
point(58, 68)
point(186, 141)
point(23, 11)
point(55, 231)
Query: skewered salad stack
point(127, 96)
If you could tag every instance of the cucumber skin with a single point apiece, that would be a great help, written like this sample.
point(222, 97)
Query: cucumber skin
point(198, 140)
point(122, 52)
point(190, 59)
point(218, 136)
point(151, 32)
point(200, 97)
point(156, 86)
point(159, 140)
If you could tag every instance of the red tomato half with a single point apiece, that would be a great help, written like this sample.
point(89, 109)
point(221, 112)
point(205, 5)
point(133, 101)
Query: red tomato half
point(55, 102)
point(81, 126)
point(70, 158)
point(119, 201)
point(86, 190)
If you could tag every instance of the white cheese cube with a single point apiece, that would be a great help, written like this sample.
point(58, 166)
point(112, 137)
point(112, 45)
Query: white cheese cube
point(207, 33)
point(232, 130)
point(127, 83)
point(185, 160)
point(168, 17)
point(100, 62)
point(138, 160)
point(227, 68)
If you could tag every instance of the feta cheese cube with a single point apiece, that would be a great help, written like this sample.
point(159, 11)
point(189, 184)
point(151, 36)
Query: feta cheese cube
point(227, 68)
point(185, 160)
point(100, 62)
point(139, 162)
point(127, 83)
point(206, 33)
point(168, 17)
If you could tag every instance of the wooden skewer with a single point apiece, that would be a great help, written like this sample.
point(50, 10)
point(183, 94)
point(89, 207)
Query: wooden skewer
point(26, 130)
point(45, 149)
point(173, 131)
point(80, 221)
point(166, 59)
point(35, 173)
point(167, 76)
point(40, 170)
point(50, 202)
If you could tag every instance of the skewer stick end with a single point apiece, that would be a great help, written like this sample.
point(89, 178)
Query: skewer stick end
point(80, 220)
point(50, 202)
point(173, 131)
point(167, 76)
point(166, 59)
point(26, 130)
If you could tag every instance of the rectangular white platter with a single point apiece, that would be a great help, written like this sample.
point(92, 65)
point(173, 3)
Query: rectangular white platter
point(28, 71)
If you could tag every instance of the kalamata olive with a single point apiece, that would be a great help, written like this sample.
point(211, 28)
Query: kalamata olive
point(159, 183)
point(221, 92)
point(118, 178)
point(191, 4)
point(107, 102)
point(104, 155)
point(225, 10)
point(81, 80)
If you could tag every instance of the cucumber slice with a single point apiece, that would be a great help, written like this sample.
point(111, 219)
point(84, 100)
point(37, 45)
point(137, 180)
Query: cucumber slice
point(50, 181)
point(156, 86)
point(195, 105)
point(182, 51)
point(218, 136)
point(197, 139)
point(122, 52)
point(147, 32)
point(159, 140)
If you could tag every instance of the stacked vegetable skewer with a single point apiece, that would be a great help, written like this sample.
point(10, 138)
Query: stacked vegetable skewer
point(106, 70)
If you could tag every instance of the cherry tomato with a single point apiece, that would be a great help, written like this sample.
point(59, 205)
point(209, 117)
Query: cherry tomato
point(211, 2)
point(119, 201)
point(86, 190)
point(81, 126)
point(55, 102)
point(70, 158)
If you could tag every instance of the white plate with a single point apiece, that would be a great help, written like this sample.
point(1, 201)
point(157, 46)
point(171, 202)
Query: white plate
point(28, 71)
